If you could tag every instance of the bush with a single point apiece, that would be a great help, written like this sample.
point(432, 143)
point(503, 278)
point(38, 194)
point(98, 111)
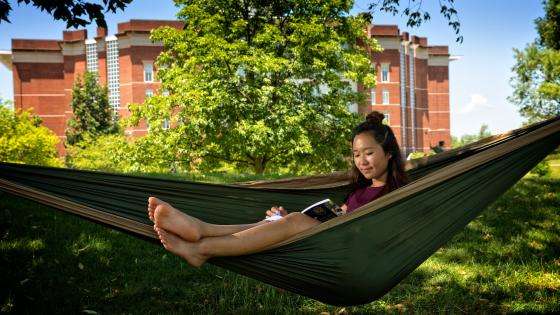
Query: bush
point(106, 153)
point(24, 140)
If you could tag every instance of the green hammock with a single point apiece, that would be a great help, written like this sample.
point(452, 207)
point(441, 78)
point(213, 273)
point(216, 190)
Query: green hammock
point(349, 260)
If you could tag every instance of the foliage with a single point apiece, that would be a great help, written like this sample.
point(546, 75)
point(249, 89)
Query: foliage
point(92, 113)
point(259, 84)
point(71, 12)
point(118, 153)
point(549, 25)
point(107, 153)
point(536, 82)
point(24, 140)
point(416, 15)
point(467, 139)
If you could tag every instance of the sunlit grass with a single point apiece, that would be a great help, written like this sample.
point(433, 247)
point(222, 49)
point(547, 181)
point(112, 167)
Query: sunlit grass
point(22, 244)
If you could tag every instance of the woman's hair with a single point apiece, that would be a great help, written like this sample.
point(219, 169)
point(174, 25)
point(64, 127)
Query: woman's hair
point(383, 134)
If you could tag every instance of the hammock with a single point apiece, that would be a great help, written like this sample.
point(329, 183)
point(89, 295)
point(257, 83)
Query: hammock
point(349, 260)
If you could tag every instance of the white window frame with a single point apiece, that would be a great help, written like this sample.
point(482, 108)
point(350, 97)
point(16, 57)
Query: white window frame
point(113, 80)
point(385, 72)
point(92, 64)
point(372, 96)
point(385, 96)
point(148, 72)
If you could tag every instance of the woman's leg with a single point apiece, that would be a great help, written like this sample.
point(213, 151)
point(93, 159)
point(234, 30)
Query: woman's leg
point(188, 228)
point(245, 242)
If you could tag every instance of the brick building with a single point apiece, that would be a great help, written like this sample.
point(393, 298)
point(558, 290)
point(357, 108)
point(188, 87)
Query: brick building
point(412, 89)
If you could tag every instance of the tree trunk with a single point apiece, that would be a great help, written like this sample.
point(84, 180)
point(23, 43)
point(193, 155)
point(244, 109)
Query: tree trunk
point(259, 165)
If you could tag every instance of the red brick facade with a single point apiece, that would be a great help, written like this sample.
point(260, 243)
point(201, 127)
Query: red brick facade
point(417, 85)
point(44, 72)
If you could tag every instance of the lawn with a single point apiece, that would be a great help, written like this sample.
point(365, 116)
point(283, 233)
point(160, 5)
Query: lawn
point(506, 261)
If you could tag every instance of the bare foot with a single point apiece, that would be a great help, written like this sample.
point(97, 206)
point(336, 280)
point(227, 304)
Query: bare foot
point(174, 221)
point(152, 204)
point(180, 247)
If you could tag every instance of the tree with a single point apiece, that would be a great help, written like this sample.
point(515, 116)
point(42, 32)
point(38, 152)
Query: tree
point(72, 12)
point(416, 15)
point(24, 140)
point(92, 113)
point(536, 82)
point(259, 83)
point(468, 139)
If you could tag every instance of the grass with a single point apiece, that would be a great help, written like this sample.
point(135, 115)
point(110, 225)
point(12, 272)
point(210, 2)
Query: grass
point(506, 261)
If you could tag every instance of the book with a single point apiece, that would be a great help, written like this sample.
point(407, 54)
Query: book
point(323, 210)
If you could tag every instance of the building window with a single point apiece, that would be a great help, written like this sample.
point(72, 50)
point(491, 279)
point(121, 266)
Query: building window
point(165, 124)
point(384, 72)
point(387, 119)
point(91, 56)
point(372, 96)
point(113, 81)
point(149, 93)
point(385, 96)
point(148, 72)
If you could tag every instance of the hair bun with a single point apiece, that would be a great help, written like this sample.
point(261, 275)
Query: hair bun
point(375, 118)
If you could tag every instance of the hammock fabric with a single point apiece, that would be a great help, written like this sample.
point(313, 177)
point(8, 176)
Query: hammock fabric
point(349, 260)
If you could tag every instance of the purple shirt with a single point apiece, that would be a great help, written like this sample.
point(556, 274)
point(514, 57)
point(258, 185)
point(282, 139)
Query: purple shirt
point(361, 196)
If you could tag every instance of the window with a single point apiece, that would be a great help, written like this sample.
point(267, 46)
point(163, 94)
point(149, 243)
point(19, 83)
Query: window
point(91, 56)
point(113, 72)
point(165, 124)
point(148, 72)
point(165, 93)
point(387, 119)
point(149, 93)
point(385, 96)
point(384, 72)
point(372, 96)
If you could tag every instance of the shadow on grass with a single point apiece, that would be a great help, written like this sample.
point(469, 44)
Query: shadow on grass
point(524, 222)
point(57, 263)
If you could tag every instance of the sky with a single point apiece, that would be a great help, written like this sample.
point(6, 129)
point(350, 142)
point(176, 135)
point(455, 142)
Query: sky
point(479, 81)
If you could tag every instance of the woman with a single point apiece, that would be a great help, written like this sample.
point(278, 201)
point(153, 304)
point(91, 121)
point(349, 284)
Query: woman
point(378, 168)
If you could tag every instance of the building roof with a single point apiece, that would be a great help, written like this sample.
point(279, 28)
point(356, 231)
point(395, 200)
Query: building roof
point(6, 58)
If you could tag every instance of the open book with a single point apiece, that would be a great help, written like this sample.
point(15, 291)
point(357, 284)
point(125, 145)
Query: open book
point(323, 210)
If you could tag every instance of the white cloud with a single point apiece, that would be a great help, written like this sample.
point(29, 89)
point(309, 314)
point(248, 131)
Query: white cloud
point(476, 101)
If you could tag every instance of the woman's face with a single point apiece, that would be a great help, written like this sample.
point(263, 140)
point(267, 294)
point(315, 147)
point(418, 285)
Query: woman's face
point(370, 159)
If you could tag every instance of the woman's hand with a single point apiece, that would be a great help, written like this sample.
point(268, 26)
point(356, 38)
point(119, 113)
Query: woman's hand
point(275, 213)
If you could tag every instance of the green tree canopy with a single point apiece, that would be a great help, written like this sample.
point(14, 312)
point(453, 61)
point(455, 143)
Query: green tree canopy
point(92, 113)
point(260, 83)
point(24, 140)
point(536, 82)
